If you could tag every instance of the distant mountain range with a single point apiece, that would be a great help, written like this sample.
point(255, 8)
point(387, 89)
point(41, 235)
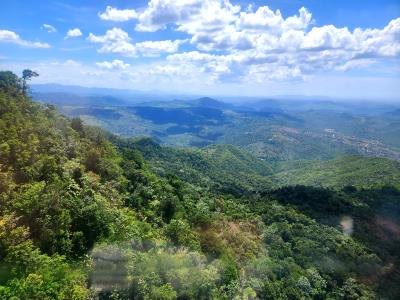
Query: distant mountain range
point(77, 95)
point(270, 129)
point(66, 94)
point(81, 90)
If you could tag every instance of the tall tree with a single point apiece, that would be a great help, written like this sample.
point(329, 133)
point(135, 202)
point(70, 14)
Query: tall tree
point(27, 74)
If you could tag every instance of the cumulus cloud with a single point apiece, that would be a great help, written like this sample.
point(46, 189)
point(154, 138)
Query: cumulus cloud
point(118, 41)
point(73, 33)
point(118, 15)
point(115, 64)
point(352, 64)
point(114, 40)
point(260, 43)
point(7, 36)
point(112, 35)
point(49, 28)
point(155, 48)
point(265, 19)
point(255, 43)
point(189, 15)
point(238, 67)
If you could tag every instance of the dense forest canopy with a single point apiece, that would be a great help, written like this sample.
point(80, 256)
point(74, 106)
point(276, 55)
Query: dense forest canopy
point(85, 214)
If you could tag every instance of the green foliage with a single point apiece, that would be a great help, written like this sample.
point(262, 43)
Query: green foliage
point(227, 169)
point(180, 233)
point(29, 274)
point(221, 168)
point(240, 239)
point(158, 273)
point(10, 83)
point(358, 171)
point(53, 209)
point(84, 214)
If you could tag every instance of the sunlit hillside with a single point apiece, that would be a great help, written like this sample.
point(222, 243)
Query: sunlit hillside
point(199, 149)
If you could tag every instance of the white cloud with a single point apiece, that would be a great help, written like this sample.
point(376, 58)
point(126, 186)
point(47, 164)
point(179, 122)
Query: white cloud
point(155, 48)
point(114, 40)
point(329, 37)
point(118, 41)
point(250, 30)
point(179, 76)
point(259, 43)
point(231, 44)
point(67, 63)
point(383, 43)
point(267, 20)
point(218, 67)
point(49, 28)
point(11, 37)
point(112, 35)
point(73, 33)
point(302, 21)
point(167, 70)
point(352, 64)
point(115, 64)
point(118, 15)
point(189, 15)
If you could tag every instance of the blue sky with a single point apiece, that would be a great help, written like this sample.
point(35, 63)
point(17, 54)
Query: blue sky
point(346, 49)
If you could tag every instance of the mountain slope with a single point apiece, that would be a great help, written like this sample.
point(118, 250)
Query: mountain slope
point(218, 167)
point(83, 216)
point(359, 171)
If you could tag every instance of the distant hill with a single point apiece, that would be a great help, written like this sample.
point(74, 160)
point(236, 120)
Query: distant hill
point(190, 116)
point(359, 171)
point(323, 104)
point(393, 113)
point(129, 95)
point(271, 129)
point(211, 103)
point(270, 135)
point(81, 90)
point(69, 99)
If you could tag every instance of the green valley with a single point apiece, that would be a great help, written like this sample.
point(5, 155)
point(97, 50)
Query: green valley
point(87, 214)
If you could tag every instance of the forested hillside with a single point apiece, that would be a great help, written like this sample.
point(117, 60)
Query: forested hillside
point(359, 171)
point(225, 166)
point(88, 215)
point(216, 167)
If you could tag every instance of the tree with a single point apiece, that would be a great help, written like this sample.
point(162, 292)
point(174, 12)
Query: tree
point(27, 74)
point(9, 82)
point(77, 125)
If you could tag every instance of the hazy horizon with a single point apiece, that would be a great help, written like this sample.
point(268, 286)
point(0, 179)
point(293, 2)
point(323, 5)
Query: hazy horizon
point(55, 88)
